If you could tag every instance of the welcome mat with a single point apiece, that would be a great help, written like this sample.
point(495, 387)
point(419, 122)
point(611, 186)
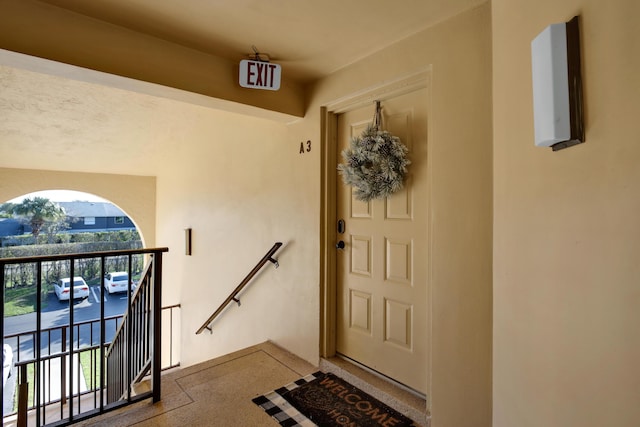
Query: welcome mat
point(324, 400)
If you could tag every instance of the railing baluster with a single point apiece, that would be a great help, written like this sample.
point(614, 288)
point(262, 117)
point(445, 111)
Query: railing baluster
point(171, 336)
point(129, 350)
point(72, 274)
point(23, 396)
point(46, 379)
point(37, 375)
point(102, 333)
point(156, 361)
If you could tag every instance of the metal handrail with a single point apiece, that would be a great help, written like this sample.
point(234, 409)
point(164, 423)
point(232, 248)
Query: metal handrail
point(232, 297)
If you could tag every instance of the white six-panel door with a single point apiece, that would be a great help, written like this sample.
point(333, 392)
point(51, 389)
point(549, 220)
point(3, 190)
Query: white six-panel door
point(382, 319)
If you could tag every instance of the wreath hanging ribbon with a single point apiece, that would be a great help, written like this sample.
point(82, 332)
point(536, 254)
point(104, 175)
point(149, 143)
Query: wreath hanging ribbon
point(376, 162)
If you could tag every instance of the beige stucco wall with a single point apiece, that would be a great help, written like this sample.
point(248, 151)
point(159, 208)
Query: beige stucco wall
point(241, 184)
point(241, 187)
point(458, 53)
point(238, 181)
point(135, 195)
point(567, 235)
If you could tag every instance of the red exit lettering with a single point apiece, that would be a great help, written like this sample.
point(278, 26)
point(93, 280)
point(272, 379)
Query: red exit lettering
point(259, 75)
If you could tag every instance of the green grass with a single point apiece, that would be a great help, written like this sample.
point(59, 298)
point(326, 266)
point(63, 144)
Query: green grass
point(89, 368)
point(22, 300)
point(86, 359)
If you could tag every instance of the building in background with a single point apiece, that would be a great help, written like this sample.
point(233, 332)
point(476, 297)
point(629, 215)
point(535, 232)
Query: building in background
point(81, 217)
point(96, 216)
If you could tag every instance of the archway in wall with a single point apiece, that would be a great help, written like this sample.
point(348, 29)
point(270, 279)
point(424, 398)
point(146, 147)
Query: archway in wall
point(36, 297)
point(85, 212)
point(55, 222)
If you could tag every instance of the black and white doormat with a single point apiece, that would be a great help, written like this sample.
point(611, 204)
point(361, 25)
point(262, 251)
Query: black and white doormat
point(325, 400)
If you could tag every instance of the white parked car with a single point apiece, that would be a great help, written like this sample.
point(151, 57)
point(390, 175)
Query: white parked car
point(63, 290)
point(7, 362)
point(117, 282)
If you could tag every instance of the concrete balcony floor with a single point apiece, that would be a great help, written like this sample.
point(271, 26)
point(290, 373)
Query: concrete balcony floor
point(219, 392)
point(214, 393)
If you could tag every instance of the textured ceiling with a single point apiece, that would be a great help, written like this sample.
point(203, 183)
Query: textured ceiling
point(50, 122)
point(43, 117)
point(309, 38)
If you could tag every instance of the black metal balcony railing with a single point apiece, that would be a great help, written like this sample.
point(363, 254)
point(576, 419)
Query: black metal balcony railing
point(73, 372)
point(130, 355)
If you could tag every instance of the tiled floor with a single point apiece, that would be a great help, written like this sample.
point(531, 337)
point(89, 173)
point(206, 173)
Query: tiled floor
point(219, 392)
point(215, 393)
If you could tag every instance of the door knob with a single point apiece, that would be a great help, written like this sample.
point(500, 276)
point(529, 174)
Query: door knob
point(340, 245)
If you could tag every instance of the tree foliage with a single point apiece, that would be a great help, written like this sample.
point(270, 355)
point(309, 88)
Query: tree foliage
point(49, 219)
point(36, 212)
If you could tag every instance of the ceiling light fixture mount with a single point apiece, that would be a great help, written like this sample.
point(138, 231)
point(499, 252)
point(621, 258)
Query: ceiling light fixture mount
point(257, 56)
point(259, 73)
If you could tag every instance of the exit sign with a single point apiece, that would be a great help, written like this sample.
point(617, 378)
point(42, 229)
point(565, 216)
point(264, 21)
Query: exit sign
point(260, 75)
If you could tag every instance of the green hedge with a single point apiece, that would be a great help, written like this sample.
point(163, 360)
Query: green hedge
point(78, 237)
point(89, 268)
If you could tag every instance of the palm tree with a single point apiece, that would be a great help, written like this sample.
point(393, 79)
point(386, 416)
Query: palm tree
point(36, 212)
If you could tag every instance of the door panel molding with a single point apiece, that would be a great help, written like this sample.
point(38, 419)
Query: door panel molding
point(329, 181)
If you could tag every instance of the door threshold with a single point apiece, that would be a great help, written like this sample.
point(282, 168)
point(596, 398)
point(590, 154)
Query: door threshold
point(405, 400)
point(383, 377)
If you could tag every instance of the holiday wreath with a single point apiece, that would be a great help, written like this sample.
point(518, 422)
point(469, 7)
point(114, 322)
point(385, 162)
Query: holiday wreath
point(375, 164)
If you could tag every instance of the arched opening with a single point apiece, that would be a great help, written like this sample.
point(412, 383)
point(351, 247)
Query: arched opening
point(135, 195)
point(79, 213)
point(56, 222)
point(72, 303)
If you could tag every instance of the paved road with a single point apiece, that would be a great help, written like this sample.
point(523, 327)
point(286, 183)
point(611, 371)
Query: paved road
point(57, 312)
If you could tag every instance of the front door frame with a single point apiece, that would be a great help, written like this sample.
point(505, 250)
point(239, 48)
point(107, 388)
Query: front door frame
point(329, 177)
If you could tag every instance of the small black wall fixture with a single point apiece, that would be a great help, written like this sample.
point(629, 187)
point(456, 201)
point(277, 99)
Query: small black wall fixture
point(187, 241)
point(557, 86)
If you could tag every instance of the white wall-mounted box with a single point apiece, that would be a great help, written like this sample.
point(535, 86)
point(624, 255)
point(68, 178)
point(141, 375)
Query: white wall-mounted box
point(557, 86)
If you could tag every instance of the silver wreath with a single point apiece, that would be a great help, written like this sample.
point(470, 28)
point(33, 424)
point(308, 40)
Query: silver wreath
point(375, 164)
